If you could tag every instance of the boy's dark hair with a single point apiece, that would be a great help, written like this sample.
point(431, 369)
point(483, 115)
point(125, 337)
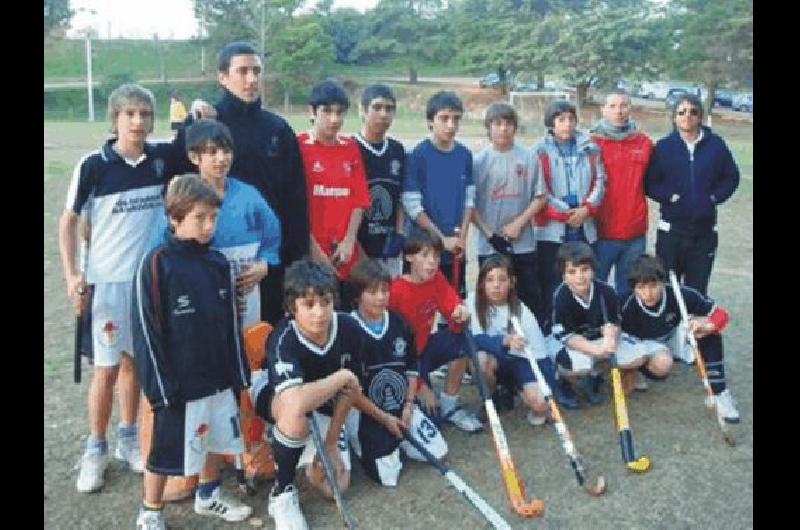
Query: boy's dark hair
point(692, 99)
point(495, 261)
point(376, 90)
point(233, 48)
point(500, 110)
point(575, 252)
point(366, 274)
point(328, 92)
point(646, 269)
point(186, 191)
point(556, 107)
point(304, 277)
point(205, 132)
point(444, 99)
point(420, 239)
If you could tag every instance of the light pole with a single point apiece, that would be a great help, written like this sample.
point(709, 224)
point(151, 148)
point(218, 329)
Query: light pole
point(90, 95)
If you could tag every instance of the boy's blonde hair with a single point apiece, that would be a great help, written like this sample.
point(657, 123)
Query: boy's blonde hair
point(125, 95)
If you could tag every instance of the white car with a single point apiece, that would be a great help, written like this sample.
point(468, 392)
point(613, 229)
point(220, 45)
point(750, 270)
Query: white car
point(743, 102)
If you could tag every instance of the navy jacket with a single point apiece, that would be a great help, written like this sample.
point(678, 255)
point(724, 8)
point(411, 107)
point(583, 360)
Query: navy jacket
point(186, 338)
point(700, 182)
point(266, 156)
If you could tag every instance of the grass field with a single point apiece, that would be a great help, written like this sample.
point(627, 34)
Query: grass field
point(696, 481)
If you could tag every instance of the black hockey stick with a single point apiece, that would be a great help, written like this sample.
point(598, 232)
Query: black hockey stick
point(494, 518)
point(330, 473)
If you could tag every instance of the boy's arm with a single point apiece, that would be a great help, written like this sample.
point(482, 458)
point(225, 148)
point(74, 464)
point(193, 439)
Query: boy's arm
point(153, 367)
point(296, 208)
point(656, 184)
point(67, 244)
point(270, 246)
point(727, 182)
point(705, 316)
point(389, 421)
point(533, 333)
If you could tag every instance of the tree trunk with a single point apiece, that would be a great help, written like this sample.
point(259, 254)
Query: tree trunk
point(581, 90)
point(412, 75)
point(540, 80)
point(286, 100)
point(708, 104)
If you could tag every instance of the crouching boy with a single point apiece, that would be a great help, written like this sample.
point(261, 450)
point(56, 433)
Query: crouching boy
point(651, 320)
point(311, 366)
point(391, 372)
point(188, 355)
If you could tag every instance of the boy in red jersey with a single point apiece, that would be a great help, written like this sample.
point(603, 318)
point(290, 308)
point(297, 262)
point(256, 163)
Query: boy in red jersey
point(416, 296)
point(335, 179)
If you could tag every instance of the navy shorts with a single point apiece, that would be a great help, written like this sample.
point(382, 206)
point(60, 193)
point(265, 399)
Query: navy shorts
point(442, 347)
point(514, 368)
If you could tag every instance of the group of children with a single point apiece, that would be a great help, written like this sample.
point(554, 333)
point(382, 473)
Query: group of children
point(377, 307)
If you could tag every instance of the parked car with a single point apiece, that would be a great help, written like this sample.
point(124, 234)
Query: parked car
point(653, 90)
point(723, 97)
point(742, 102)
point(672, 96)
point(524, 87)
point(490, 80)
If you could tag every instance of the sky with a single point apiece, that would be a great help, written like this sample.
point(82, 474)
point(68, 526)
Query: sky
point(170, 19)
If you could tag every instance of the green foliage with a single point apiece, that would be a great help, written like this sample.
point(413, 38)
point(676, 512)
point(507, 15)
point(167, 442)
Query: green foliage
point(306, 53)
point(57, 15)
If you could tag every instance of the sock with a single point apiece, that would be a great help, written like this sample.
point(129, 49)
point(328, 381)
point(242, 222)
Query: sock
point(96, 445)
point(287, 454)
point(205, 489)
point(448, 402)
point(711, 349)
point(716, 376)
point(154, 507)
point(126, 431)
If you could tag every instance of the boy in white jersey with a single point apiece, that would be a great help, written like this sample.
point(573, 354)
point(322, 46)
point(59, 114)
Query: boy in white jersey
point(120, 186)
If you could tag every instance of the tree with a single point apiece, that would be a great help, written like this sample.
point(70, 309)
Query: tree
point(712, 42)
point(57, 15)
point(346, 28)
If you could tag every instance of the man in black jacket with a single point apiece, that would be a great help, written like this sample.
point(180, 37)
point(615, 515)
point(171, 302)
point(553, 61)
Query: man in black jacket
point(266, 156)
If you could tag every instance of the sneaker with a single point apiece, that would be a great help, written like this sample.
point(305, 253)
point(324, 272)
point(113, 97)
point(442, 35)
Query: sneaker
point(466, 379)
point(463, 419)
point(150, 520)
point(503, 399)
point(565, 395)
point(93, 466)
point(641, 383)
point(440, 373)
point(726, 407)
point(285, 509)
point(592, 388)
point(128, 451)
point(535, 419)
point(222, 505)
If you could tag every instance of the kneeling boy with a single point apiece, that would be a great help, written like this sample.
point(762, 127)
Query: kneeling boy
point(188, 355)
point(652, 319)
point(391, 372)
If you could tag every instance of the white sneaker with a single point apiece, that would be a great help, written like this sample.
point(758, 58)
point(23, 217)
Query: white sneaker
point(128, 451)
point(150, 520)
point(440, 373)
point(535, 419)
point(641, 382)
point(285, 509)
point(463, 419)
point(726, 407)
point(93, 466)
point(222, 505)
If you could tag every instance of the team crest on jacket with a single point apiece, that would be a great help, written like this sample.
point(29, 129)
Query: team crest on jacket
point(399, 347)
point(394, 167)
point(387, 390)
point(347, 166)
point(317, 167)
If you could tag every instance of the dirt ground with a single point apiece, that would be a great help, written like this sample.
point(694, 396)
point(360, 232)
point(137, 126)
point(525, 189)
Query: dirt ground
point(696, 480)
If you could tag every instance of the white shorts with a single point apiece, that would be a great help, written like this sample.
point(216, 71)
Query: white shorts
point(206, 425)
point(386, 469)
point(111, 322)
point(631, 349)
point(676, 342)
point(310, 450)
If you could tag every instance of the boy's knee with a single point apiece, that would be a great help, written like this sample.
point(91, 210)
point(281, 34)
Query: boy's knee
point(487, 362)
point(105, 375)
point(660, 364)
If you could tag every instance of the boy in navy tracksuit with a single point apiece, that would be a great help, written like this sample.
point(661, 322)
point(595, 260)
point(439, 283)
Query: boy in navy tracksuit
point(188, 355)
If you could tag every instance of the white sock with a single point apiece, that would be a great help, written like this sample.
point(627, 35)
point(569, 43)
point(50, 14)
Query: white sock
point(448, 401)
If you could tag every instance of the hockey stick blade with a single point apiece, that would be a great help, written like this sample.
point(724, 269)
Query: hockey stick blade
point(494, 518)
point(330, 473)
point(594, 487)
point(637, 465)
point(515, 488)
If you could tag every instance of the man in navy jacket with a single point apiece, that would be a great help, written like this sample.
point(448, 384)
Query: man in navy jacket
point(691, 171)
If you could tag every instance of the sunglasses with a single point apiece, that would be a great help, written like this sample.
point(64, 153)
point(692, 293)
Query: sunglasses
point(692, 111)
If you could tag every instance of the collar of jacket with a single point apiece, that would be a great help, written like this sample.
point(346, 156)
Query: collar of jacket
point(189, 246)
point(676, 136)
point(111, 155)
point(231, 104)
point(583, 143)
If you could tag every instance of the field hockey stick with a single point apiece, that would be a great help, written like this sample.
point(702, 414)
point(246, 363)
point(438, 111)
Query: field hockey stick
point(596, 487)
point(637, 465)
point(513, 483)
point(457, 264)
point(494, 518)
point(76, 357)
point(330, 474)
point(710, 399)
